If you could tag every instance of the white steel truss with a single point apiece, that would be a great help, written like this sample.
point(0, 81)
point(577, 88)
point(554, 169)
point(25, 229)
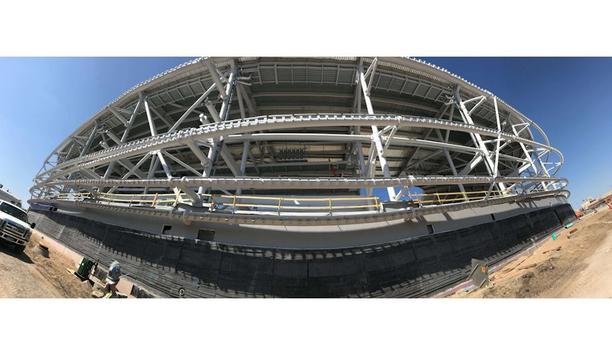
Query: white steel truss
point(245, 126)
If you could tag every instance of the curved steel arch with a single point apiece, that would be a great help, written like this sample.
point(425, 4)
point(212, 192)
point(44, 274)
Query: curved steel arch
point(254, 124)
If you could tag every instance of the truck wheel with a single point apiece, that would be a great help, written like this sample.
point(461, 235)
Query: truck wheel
point(19, 248)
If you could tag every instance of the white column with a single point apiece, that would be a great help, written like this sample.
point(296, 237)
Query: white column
point(375, 135)
point(485, 154)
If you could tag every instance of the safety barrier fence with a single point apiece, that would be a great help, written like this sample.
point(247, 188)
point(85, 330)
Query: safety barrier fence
point(255, 203)
point(175, 266)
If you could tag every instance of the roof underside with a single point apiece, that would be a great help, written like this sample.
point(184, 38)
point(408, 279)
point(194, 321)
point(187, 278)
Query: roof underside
point(306, 85)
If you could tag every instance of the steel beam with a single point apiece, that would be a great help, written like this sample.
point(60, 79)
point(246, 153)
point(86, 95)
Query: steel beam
point(215, 130)
point(375, 135)
point(215, 77)
point(124, 137)
point(118, 115)
point(478, 141)
point(305, 183)
point(152, 127)
point(213, 111)
point(191, 109)
point(204, 160)
point(229, 160)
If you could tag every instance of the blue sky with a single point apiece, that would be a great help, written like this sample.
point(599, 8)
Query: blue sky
point(570, 98)
point(43, 100)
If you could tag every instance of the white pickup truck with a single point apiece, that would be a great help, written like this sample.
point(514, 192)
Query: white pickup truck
point(14, 226)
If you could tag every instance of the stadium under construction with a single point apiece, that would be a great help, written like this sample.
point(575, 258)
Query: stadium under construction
point(302, 177)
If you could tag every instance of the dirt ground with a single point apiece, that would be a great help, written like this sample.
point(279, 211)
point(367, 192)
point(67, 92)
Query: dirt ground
point(579, 266)
point(31, 275)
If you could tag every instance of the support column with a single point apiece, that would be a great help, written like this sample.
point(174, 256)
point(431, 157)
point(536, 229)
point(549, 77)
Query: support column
point(452, 164)
point(130, 123)
point(497, 148)
point(192, 108)
point(216, 145)
point(153, 165)
point(375, 134)
point(485, 154)
point(195, 198)
point(532, 164)
point(357, 146)
point(245, 153)
point(86, 147)
point(149, 116)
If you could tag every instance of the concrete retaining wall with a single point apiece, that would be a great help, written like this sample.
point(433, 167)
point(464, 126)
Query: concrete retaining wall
point(412, 267)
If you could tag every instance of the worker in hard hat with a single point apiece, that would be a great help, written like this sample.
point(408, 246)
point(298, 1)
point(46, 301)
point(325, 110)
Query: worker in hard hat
point(112, 278)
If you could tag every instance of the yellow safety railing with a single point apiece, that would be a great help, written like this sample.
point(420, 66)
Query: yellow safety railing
point(440, 198)
point(277, 204)
point(237, 202)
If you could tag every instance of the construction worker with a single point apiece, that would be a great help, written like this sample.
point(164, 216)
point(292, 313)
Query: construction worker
point(112, 278)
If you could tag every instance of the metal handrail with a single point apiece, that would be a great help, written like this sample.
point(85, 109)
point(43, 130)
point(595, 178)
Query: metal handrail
point(278, 204)
point(153, 200)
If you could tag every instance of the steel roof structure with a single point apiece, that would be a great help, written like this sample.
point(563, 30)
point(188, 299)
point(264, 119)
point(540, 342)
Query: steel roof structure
point(216, 133)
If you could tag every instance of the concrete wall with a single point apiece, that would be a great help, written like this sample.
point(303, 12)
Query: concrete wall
point(174, 266)
point(338, 236)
